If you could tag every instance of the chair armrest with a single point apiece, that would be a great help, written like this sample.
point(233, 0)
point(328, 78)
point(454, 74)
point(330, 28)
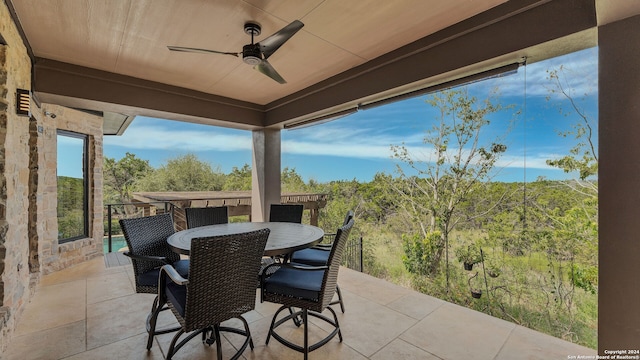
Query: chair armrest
point(161, 259)
point(266, 272)
point(173, 275)
point(305, 267)
point(269, 270)
point(168, 271)
point(323, 247)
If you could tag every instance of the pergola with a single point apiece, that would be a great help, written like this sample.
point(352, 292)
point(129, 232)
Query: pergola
point(110, 58)
point(237, 202)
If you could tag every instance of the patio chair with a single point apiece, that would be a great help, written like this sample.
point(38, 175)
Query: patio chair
point(146, 238)
point(206, 216)
point(319, 255)
point(283, 213)
point(221, 286)
point(310, 288)
point(286, 213)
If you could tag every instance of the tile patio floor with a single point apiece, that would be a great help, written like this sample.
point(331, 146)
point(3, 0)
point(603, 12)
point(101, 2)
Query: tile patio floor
point(92, 312)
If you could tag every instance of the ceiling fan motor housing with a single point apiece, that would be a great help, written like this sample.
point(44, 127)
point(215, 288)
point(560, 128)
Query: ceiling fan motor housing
point(251, 54)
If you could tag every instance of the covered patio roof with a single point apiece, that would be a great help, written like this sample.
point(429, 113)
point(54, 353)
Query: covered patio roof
point(112, 57)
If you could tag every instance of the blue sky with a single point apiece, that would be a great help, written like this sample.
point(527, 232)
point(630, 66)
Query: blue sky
point(358, 146)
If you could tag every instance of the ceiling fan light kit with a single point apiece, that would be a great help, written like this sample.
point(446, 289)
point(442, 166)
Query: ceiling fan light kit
point(256, 54)
point(251, 54)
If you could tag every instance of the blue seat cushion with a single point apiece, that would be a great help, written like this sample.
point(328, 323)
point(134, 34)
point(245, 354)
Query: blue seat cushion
point(150, 278)
point(296, 283)
point(311, 256)
point(177, 295)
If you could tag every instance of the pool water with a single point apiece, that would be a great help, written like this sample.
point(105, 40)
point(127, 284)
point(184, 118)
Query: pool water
point(117, 242)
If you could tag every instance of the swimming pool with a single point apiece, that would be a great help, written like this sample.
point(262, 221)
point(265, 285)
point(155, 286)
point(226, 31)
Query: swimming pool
point(117, 242)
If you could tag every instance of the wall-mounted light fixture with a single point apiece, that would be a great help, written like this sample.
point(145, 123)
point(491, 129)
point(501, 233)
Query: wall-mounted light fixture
point(23, 102)
point(50, 114)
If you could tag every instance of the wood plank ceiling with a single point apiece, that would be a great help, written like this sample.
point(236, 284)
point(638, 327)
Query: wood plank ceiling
point(130, 37)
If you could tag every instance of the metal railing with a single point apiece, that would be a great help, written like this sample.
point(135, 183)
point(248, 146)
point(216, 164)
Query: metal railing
point(351, 258)
point(142, 209)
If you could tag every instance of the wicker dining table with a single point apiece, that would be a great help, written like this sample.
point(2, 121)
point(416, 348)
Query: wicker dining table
point(284, 237)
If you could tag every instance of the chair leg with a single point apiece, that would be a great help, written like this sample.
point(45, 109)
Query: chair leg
point(216, 331)
point(337, 324)
point(155, 303)
point(173, 348)
point(215, 337)
point(295, 319)
point(306, 332)
point(152, 321)
point(211, 339)
point(273, 321)
point(339, 301)
point(304, 314)
point(247, 331)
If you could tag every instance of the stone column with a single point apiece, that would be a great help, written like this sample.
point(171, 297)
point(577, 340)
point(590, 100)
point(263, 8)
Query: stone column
point(265, 173)
point(619, 186)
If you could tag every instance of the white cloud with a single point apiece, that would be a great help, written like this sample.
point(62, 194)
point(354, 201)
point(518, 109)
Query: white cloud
point(338, 141)
point(417, 152)
point(579, 76)
point(533, 161)
point(161, 138)
point(361, 150)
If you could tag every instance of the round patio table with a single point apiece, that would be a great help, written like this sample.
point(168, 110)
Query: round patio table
point(284, 237)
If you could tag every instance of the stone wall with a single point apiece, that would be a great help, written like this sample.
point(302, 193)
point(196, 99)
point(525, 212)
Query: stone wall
point(54, 256)
point(28, 184)
point(16, 281)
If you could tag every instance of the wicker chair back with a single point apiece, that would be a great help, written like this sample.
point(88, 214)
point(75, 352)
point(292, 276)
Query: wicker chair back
point(206, 216)
point(222, 277)
point(286, 213)
point(335, 258)
point(147, 236)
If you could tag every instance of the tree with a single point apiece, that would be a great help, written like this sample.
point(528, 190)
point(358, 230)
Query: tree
point(121, 176)
point(583, 156)
point(577, 229)
point(379, 198)
point(292, 181)
point(183, 173)
point(457, 164)
point(239, 179)
point(70, 207)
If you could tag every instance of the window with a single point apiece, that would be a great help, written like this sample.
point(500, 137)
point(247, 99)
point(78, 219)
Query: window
point(72, 186)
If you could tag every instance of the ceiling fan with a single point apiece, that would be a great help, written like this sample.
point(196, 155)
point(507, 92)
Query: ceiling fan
point(258, 53)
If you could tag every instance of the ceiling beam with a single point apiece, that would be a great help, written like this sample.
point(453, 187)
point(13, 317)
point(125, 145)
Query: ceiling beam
point(81, 87)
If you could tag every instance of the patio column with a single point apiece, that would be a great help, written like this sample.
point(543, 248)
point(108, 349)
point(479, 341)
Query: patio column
point(619, 184)
point(265, 179)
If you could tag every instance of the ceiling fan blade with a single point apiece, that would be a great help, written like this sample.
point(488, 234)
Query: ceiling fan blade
point(202, 51)
point(273, 42)
point(266, 68)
